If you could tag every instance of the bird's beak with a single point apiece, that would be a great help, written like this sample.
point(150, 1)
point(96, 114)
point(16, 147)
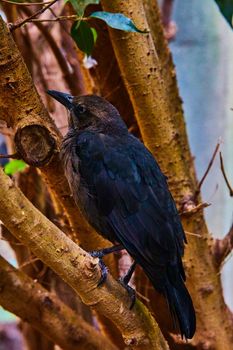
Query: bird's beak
point(65, 99)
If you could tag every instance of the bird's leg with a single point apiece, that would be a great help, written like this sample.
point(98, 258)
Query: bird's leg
point(100, 254)
point(124, 282)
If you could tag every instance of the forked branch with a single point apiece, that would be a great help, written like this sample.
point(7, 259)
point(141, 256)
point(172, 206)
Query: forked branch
point(77, 268)
point(45, 312)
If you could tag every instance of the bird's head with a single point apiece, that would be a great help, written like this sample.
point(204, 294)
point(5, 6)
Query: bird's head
point(90, 112)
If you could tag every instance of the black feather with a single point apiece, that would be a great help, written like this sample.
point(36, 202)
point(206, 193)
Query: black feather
point(122, 192)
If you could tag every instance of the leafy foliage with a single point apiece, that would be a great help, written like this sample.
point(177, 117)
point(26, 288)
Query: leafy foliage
point(14, 166)
point(80, 5)
point(226, 7)
point(117, 21)
point(84, 36)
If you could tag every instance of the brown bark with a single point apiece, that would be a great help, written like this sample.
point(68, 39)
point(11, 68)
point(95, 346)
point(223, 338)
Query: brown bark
point(107, 75)
point(77, 268)
point(37, 138)
point(44, 311)
point(52, 172)
point(141, 68)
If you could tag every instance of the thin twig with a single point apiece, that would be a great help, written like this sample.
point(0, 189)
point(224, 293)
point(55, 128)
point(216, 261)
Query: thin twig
point(38, 13)
point(29, 262)
point(143, 297)
point(192, 234)
point(195, 209)
point(57, 19)
point(225, 176)
point(26, 3)
point(13, 156)
point(207, 170)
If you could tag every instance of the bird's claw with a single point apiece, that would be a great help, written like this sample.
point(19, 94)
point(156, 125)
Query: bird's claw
point(96, 254)
point(104, 272)
point(103, 267)
point(130, 290)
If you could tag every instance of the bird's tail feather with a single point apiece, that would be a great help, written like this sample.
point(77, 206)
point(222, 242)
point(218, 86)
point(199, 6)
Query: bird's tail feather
point(181, 308)
point(171, 284)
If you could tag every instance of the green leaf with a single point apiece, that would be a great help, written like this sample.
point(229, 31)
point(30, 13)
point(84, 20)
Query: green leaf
point(117, 21)
point(226, 7)
point(14, 166)
point(95, 35)
point(84, 36)
point(80, 5)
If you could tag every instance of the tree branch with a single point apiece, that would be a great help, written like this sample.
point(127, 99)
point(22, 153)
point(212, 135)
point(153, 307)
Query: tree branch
point(223, 247)
point(77, 268)
point(44, 311)
point(158, 109)
point(34, 15)
point(36, 136)
point(26, 3)
point(225, 176)
point(207, 171)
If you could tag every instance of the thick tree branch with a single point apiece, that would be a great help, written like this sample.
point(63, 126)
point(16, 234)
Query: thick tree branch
point(77, 268)
point(223, 247)
point(44, 311)
point(149, 75)
point(21, 105)
point(36, 136)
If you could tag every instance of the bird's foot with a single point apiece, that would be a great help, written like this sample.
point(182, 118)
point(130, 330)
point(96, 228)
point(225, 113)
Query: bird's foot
point(102, 252)
point(130, 290)
point(103, 267)
point(97, 254)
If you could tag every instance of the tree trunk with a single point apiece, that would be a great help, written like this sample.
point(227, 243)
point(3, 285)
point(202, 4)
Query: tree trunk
point(142, 70)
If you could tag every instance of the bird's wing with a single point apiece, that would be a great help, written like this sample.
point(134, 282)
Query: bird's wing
point(131, 193)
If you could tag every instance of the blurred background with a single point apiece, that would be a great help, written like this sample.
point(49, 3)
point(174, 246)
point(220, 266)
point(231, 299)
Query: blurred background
point(203, 55)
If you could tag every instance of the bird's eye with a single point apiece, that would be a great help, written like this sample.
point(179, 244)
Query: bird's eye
point(80, 109)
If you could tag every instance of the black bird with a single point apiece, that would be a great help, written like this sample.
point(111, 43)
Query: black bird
point(122, 192)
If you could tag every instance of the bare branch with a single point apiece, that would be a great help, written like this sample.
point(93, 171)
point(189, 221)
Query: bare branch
point(13, 156)
point(76, 268)
point(195, 209)
point(225, 176)
point(37, 138)
point(25, 3)
point(57, 19)
point(36, 14)
point(207, 170)
point(44, 311)
point(223, 247)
